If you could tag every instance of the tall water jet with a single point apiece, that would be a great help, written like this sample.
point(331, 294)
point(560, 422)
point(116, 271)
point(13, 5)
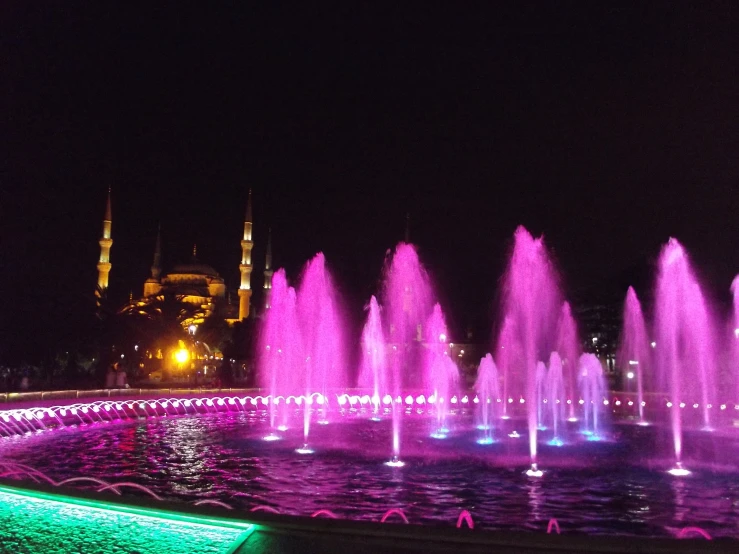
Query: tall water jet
point(633, 352)
point(487, 388)
point(407, 303)
point(592, 389)
point(555, 392)
point(373, 364)
point(322, 336)
point(531, 302)
point(685, 354)
point(569, 349)
point(735, 336)
point(508, 348)
point(440, 373)
point(280, 346)
point(541, 383)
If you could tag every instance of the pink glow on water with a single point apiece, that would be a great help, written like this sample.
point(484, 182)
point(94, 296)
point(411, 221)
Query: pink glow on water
point(569, 349)
point(685, 352)
point(634, 346)
point(531, 304)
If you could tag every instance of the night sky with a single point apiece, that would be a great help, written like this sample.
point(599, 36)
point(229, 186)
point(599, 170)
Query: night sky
point(608, 129)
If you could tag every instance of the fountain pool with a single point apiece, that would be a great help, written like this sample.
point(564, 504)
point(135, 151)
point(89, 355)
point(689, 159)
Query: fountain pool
point(612, 487)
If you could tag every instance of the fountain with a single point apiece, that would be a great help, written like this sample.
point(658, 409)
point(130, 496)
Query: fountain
point(280, 349)
point(487, 387)
point(685, 353)
point(407, 302)
point(409, 384)
point(373, 368)
point(321, 332)
point(531, 302)
point(541, 394)
point(633, 353)
point(302, 329)
point(440, 373)
point(734, 334)
point(592, 390)
point(568, 347)
point(554, 398)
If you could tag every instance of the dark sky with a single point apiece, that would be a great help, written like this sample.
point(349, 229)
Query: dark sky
point(608, 129)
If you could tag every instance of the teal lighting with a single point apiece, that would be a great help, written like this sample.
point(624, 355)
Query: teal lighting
point(32, 521)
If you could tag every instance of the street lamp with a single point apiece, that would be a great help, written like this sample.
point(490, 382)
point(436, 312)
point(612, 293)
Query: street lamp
point(182, 355)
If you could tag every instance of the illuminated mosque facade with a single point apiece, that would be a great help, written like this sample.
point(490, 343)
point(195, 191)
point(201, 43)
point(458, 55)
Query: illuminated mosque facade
point(195, 283)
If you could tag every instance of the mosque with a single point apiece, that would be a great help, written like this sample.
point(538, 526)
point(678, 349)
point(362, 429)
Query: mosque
point(195, 283)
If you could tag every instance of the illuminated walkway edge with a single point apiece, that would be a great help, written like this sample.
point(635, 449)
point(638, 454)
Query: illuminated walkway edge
point(33, 519)
point(39, 521)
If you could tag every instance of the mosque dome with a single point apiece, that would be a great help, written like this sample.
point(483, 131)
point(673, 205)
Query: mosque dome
point(194, 268)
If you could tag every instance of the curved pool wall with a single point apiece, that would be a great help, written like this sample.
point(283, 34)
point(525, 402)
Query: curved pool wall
point(24, 412)
point(35, 519)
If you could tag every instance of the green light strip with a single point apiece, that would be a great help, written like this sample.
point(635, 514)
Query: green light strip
point(149, 513)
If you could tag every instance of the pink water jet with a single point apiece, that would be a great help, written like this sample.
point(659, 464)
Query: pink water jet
point(634, 353)
point(685, 351)
point(487, 387)
point(734, 334)
point(321, 331)
point(531, 303)
point(280, 346)
point(440, 373)
point(554, 396)
point(407, 303)
point(540, 375)
point(301, 344)
point(568, 347)
point(373, 371)
point(592, 390)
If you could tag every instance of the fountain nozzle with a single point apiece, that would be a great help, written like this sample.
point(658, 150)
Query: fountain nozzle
point(679, 470)
point(395, 462)
point(534, 471)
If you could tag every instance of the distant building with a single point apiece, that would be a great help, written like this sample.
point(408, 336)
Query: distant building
point(601, 324)
point(194, 282)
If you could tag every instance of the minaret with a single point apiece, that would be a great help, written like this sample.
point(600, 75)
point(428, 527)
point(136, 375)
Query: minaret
point(105, 243)
point(246, 266)
point(268, 272)
point(153, 285)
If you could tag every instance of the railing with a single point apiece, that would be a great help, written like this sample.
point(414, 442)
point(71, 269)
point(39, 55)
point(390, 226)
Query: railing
point(19, 397)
